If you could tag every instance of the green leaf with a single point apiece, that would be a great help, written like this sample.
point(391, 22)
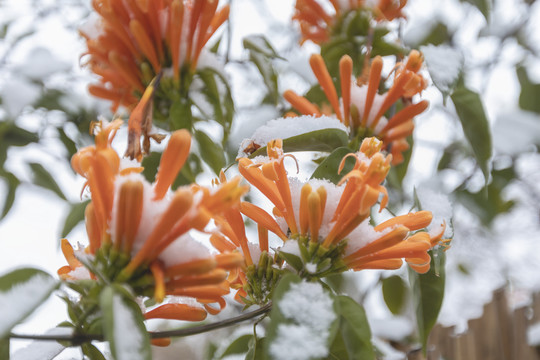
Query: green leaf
point(394, 293)
point(256, 349)
point(353, 340)
point(530, 92)
point(438, 35)
point(69, 144)
point(328, 169)
point(92, 352)
point(218, 92)
point(397, 173)
point(488, 204)
point(123, 326)
point(238, 346)
point(483, 5)
point(12, 185)
point(269, 75)
point(44, 179)
point(26, 289)
point(428, 294)
point(259, 44)
point(211, 152)
point(74, 217)
point(291, 259)
point(12, 135)
point(180, 116)
point(475, 125)
point(319, 140)
point(4, 348)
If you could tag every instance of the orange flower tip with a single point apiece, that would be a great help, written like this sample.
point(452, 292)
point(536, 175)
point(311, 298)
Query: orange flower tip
point(346, 62)
point(177, 311)
point(164, 342)
point(414, 63)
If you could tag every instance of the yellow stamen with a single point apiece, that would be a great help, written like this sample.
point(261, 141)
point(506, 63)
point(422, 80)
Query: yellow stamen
point(303, 215)
point(159, 281)
point(314, 210)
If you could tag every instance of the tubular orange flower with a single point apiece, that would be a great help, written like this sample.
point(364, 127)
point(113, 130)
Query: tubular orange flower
point(331, 223)
point(318, 18)
point(130, 42)
point(362, 108)
point(138, 231)
point(255, 277)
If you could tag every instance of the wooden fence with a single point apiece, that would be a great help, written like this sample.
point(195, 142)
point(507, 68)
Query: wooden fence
point(500, 334)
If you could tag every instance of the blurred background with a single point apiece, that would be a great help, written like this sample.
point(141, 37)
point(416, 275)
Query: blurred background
point(45, 112)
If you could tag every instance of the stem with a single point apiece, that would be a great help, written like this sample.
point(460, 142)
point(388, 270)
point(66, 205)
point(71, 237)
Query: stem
point(81, 338)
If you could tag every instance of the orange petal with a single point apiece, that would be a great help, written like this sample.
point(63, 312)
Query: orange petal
point(176, 312)
point(172, 160)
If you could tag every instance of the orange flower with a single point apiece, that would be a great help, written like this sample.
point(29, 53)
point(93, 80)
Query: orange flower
point(138, 231)
point(253, 286)
point(132, 41)
point(331, 223)
point(317, 21)
point(362, 108)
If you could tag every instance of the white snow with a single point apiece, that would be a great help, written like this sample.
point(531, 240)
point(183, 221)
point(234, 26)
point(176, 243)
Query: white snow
point(395, 328)
point(311, 267)
point(291, 247)
point(333, 195)
point(358, 99)
point(41, 63)
point(92, 27)
point(182, 250)
point(516, 131)
point(42, 349)
point(23, 298)
point(440, 207)
point(533, 334)
point(312, 311)
point(444, 64)
point(16, 93)
point(283, 128)
point(127, 338)
point(80, 273)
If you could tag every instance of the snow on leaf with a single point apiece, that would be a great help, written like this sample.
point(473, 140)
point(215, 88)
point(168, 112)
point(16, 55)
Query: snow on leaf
point(21, 292)
point(123, 326)
point(302, 319)
point(444, 64)
point(42, 349)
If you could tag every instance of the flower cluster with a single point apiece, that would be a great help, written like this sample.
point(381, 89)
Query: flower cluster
point(325, 228)
point(132, 41)
point(319, 18)
point(138, 232)
point(362, 108)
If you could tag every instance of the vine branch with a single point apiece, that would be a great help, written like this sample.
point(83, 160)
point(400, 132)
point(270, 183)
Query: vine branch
point(82, 338)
